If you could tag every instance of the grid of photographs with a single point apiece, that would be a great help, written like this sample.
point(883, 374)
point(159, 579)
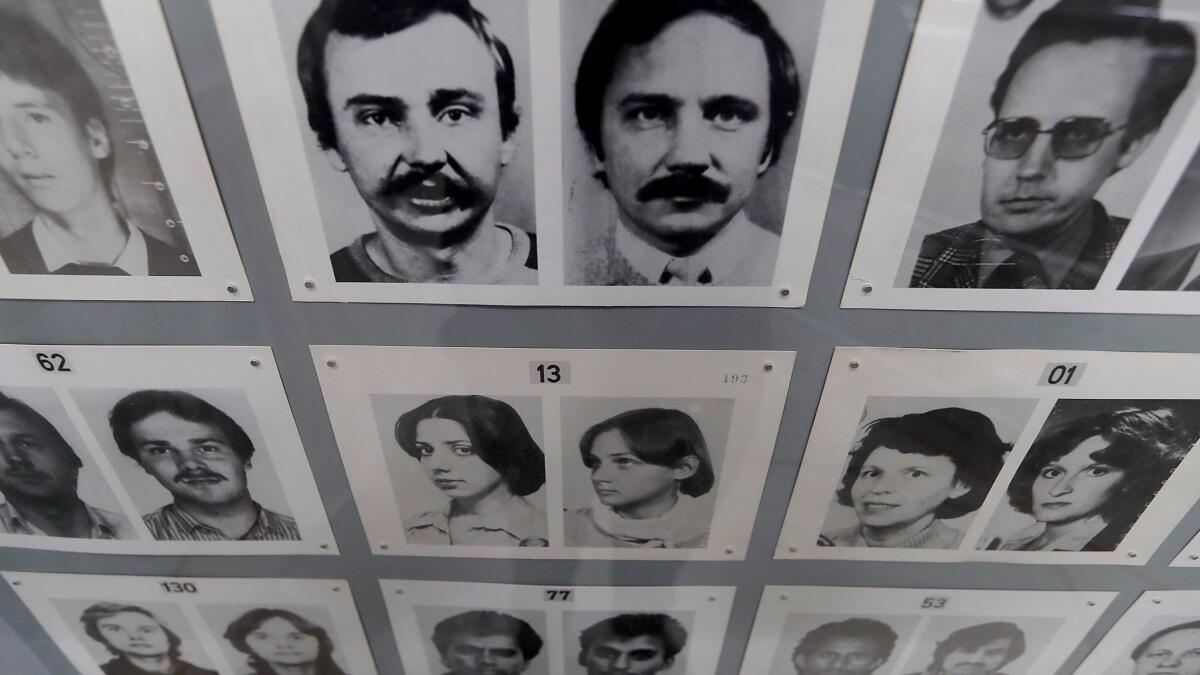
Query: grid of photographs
point(693, 170)
point(1019, 456)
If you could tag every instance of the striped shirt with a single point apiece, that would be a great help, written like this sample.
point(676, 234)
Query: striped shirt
point(172, 523)
point(105, 524)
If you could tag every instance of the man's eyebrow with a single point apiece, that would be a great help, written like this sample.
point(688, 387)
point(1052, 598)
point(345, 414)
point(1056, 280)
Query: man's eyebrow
point(443, 97)
point(640, 98)
point(207, 439)
point(389, 102)
point(731, 100)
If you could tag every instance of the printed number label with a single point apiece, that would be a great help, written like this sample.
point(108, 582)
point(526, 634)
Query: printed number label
point(53, 362)
point(1062, 374)
point(934, 602)
point(178, 586)
point(736, 378)
point(558, 594)
point(548, 372)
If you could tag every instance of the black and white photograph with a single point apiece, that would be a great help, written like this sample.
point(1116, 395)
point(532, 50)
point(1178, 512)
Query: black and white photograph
point(1016, 456)
point(452, 182)
point(1091, 472)
point(555, 453)
point(1167, 258)
point(1027, 150)
point(1158, 634)
point(85, 191)
point(916, 631)
point(646, 471)
point(467, 469)
point(153, 450)
point(453, 628)
point(471, 641)
point(132, 625)
point(920, 469)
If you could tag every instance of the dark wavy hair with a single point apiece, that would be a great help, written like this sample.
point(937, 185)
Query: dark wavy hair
point(1145, 644)
point(1146, 443)
point(241, 627)
point(660, 436)
point(1085, 21)
point(974, 637)
point(26, 412)
point(141, 404)
point(497, 434)
point(965, 437)
point(482, 623)
point(636, 22)
point(664, 628)
point(373, 19)
point(31, 54)
point(92, 616)
point(877, 632)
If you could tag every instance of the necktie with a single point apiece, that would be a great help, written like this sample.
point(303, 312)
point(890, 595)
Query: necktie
point(81, 268)
point(685, 271)
point(1019, 270)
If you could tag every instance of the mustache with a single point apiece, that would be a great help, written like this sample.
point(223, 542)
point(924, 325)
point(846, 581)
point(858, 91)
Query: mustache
point(684, 186)
point(459, 191)
point(187, 475)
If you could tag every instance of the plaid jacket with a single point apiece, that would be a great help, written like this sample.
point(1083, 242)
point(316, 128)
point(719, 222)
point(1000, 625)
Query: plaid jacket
point(950, 258)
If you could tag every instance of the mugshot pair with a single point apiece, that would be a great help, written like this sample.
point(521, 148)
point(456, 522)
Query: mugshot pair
point(674, 165)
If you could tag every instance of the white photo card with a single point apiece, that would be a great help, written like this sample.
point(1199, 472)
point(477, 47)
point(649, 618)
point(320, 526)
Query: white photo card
point(1036, 151)
point(106, 192)
point(153, 450)
point(1019, 456)
point(555, 453)
point(341, 184)
point(816, 629)
point(120, 624)
point(1159, 633)
point(558, 630)
point(1190, 555)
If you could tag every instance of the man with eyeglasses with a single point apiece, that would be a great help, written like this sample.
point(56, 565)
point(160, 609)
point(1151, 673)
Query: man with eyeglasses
point(484, 642)
point(1084, 93)
point(1174, 650)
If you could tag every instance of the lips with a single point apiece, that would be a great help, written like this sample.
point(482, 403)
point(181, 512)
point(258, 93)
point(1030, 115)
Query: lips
point(200, 479)
point(1054, 505)
point(26, 476)
point(447, 483)
point(876, 507)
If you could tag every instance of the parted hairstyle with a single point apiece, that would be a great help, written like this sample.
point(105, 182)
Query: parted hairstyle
point(241, 627)
point(877, 632)
point(26, 412)
point(92, 616)
point(660, 436)
point(1172, 45)
point(965, 437)
point(1146, 443)
point(974, 637)
point(497, 434)
point(141, 404)
point(630, 23)
point(483, 623)
point(31, 54)
point(373, 19)
point(1145, 644)
point(662, 627)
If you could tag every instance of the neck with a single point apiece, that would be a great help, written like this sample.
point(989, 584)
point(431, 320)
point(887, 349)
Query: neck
point(680, 245)
point(1041, 238)
point(233, 518)
point(893, 533)
point(93, 226)
point(1055, 531)
point(424, 257)
point(496, 499)
point(57, 516)
point(309, 668)
point(651, 508)
point(155, 663)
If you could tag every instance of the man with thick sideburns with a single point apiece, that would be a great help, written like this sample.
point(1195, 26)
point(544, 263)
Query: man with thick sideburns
point(631, 644)
point(416, 102)
point(683, 105)
point(1085, 91)
point(200, 455)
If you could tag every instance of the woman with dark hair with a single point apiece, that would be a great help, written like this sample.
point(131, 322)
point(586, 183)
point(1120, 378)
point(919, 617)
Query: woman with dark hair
point(280, 642)
point(648, 468)
point(910, 473)
point(1087, 480)
point(139, 641)
point(478, 452)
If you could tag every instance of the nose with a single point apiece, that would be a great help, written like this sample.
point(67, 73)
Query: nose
point(880, 485)
point(421, 147)
point(439, 461)
point(11, 454)
point(689, 151)
point(1062, 486)
point(1038, 161)
point(1170, 660)
point(189, 459)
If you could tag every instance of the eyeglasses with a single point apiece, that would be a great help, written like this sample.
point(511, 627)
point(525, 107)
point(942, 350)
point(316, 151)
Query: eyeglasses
point(1071, 138)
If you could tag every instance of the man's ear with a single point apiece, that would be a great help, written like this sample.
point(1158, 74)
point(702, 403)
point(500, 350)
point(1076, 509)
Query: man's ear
point(959, 489)
point(1134, 149)
point(596, 162)
point(508, 149)
point(98, 140)
point(335, 159)
point(768, 158)
point(687, 467)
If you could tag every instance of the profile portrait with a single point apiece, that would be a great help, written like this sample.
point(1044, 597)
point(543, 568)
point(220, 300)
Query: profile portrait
point(909, 474)
point(81, 188)
point(1060, 118)
point(276, 641)
point(681, 127)
point(1173, 649)
point(646, 643)
point(138, 640)
point(486, 642)
point(853, 646)
point(980, 649)
point(477, 453)
point(423, 170)
point(1092, 471)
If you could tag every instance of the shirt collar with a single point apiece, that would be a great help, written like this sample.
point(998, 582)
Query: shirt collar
point(720, 256)
point(1057, 256)
point(16, 523)
point(134, 258)
point(496, 521)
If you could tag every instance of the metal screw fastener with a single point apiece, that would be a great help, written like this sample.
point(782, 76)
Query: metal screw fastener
point(325, 545)
point(16, 582)
point(310, 284)
point(867, 288)
point(793, 548)
point(854, 365)
point(332, 363)
point(729, 549)
point(255, 363)
point(336, 588)
point(1194, 556)
point(383, 545)
point(232, 288)
point(768, 367)
point(1157, 601)
point(1091, 603)
point(784, 292)
point(1131, 554)
point(783, 596)
point(399, 591)
point(712, 598)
